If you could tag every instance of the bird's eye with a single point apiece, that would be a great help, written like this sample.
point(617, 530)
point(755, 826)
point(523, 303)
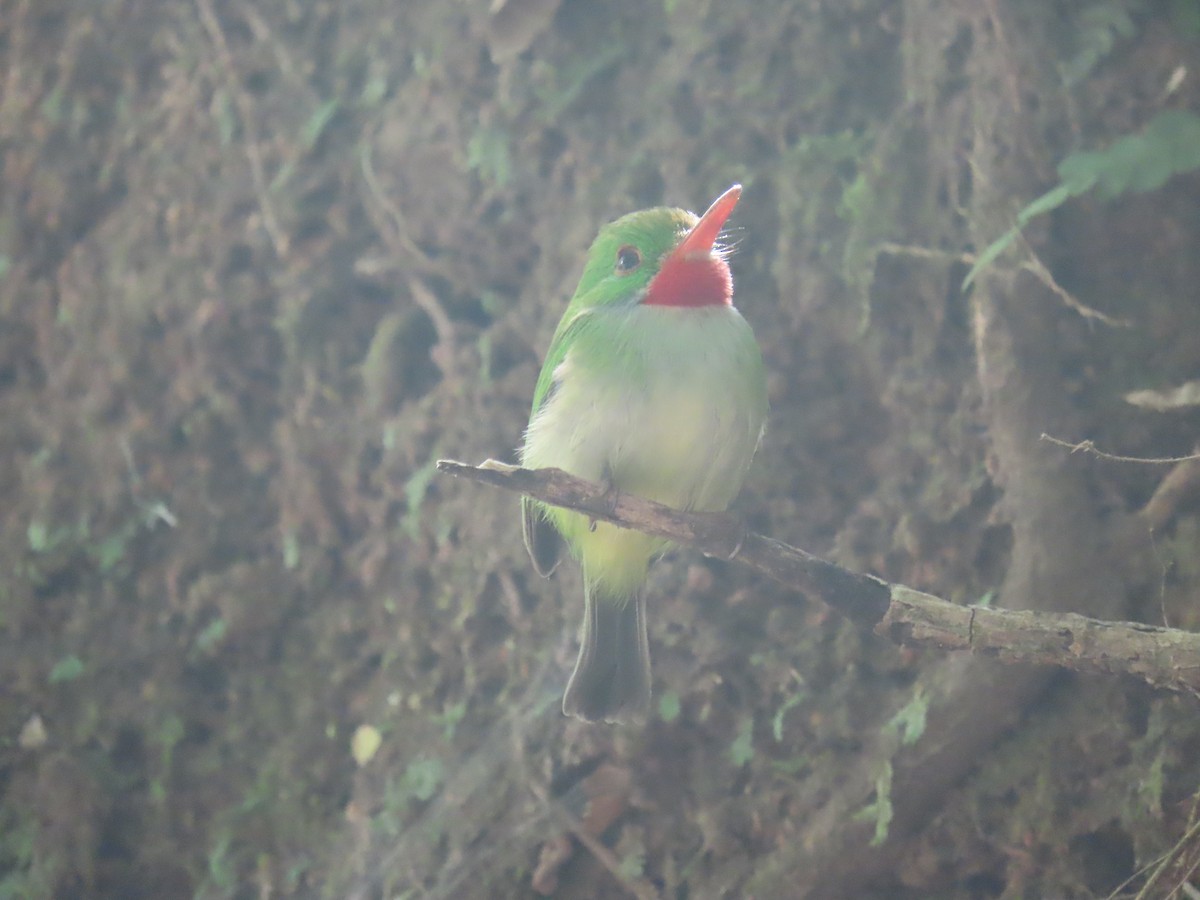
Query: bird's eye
point(628, 259)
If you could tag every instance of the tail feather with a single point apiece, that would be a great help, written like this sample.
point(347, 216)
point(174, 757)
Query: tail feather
point(611, 681)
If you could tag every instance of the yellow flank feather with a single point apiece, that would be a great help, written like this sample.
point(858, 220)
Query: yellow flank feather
point(615, 559)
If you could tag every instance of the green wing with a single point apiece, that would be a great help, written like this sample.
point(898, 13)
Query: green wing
point(542, 540)
point(564, 336)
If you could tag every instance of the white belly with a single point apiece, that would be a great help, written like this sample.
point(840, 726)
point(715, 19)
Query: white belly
point(676, 418)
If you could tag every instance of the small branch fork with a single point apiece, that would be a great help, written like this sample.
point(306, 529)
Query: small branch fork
point(1163, 657)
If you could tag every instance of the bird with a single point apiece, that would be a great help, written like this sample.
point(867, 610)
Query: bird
point(653, 385)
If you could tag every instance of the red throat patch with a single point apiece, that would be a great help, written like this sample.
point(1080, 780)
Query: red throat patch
point(691, 281)
point(695, 273)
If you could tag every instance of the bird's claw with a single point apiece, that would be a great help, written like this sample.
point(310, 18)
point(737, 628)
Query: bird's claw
point(608, 498)
point(737, 548)
point(732, 525)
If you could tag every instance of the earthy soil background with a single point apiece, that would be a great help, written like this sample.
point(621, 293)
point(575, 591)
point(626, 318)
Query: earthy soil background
point(262, 264)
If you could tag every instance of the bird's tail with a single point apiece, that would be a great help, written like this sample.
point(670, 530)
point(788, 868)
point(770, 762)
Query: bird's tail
point(611, 681)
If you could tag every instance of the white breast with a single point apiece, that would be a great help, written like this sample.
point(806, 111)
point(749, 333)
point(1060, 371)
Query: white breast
point(677, 420)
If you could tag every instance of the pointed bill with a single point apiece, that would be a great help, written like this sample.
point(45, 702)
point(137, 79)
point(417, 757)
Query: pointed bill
point(700, 240)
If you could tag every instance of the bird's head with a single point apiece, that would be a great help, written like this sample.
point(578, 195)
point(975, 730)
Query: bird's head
point(661, 257)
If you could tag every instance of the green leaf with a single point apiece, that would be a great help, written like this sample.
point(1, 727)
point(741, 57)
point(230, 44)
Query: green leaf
point(111, 551)
point(66, 669)
point(211, 635)
point(52, 106)
point(414, 493)
point(1169, 145)
point(291, 551)
point(1049, 201)
point(988, 256)
point(38, 535)
point(488, 154)
point(741, 751)
point(225, 116)
point(169, 733)
point(423, 777)
point(373, 92)
point(880, 812)
point(669, 707)
point(221, 865)
point(317, 122)
point(909, 722)
point(1179, 130)
point(633, 864)
point(792, 765)
point(450, 717)
point(1096, 32)
point(1080, 171)
point(777, 723)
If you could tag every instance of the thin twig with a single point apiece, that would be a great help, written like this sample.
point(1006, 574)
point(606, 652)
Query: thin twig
point(392, 228)
point(929, 253)
point(1167, 858)
point(1037, 268)
point(569, 822)
point(1087, 446)
point(1180, 485)
point(246, 112)
point(262, 31)
point(639, 887)
point(1033, 265)
point(399, 230)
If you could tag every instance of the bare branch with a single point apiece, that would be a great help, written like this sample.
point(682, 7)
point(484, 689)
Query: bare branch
point(723, 535)
point(249, 119)
point(1087, 446)
point(1163, 657)
point(1036, 267)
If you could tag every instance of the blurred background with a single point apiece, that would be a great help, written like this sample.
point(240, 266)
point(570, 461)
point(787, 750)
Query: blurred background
point(262, 264)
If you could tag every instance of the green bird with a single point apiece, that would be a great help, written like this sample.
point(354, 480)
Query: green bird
point(653, 385)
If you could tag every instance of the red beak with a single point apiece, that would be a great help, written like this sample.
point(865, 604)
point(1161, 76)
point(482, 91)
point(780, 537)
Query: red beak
point(700, 240)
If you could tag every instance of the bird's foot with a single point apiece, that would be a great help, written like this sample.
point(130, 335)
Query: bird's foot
point(737, 548)
point(607, 499)
point(732, 531)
